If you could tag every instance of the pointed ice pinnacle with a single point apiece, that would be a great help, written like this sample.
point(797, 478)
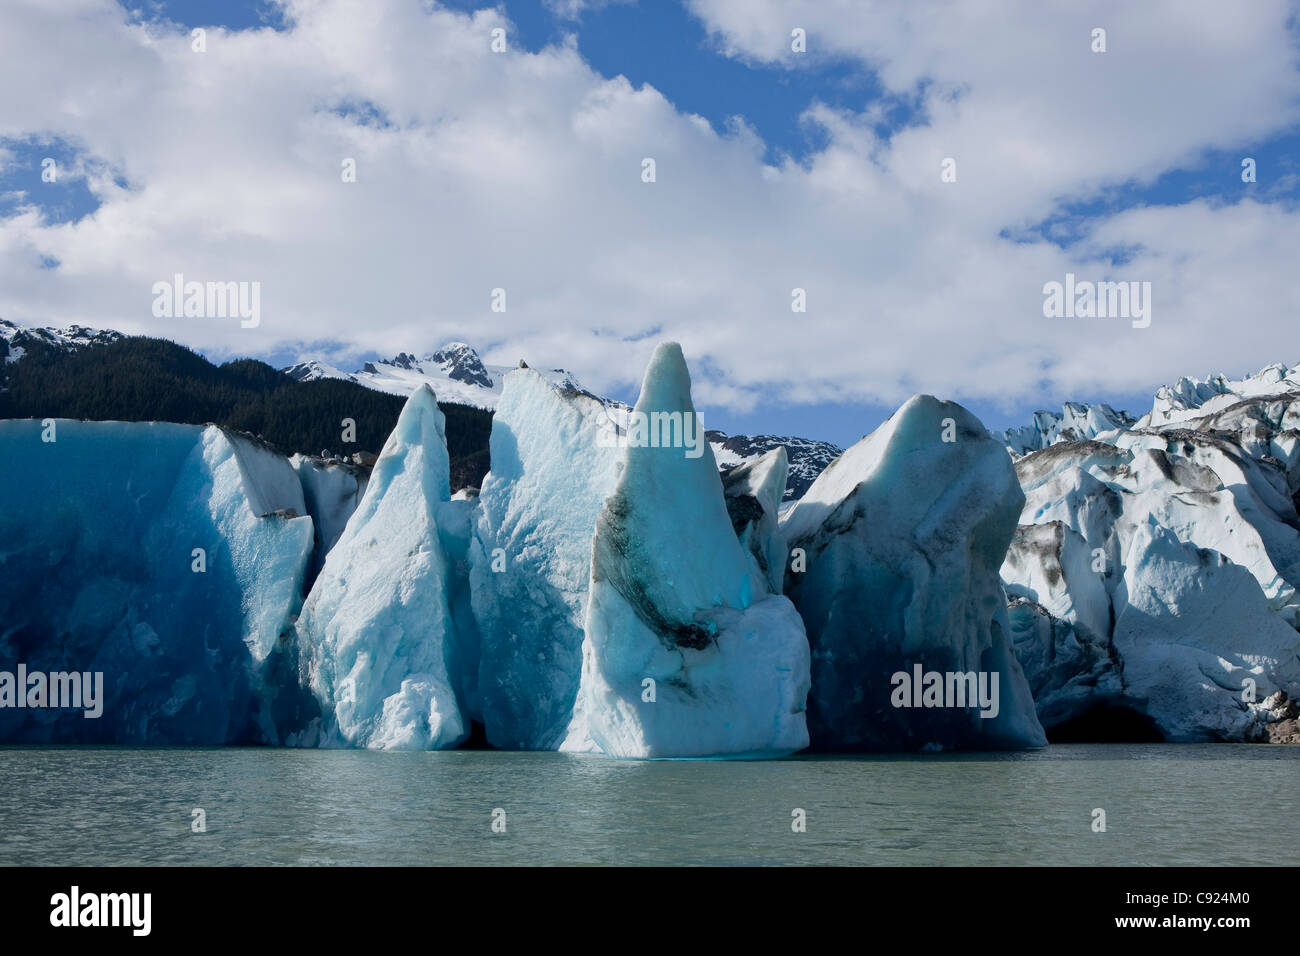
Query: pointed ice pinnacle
point(686, 653)
point(376, 631)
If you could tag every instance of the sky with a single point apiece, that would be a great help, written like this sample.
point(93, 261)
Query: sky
point(921, 171)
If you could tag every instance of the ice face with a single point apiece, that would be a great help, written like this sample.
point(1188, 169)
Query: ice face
point(168, 557)
point(1191, 630)
point(754, 492)
point(685, 653)
point(629, 599)
point(530, 558)
point(376, 631)
point(1157, 574)
point(456, 519)
point(331, 491)
point(1075, 422)
point(900, 540)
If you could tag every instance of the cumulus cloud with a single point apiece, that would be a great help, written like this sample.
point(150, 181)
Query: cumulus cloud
point(522, 170)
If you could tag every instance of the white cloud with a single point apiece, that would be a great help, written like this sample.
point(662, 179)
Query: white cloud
point(523, 171)
point(574, 9)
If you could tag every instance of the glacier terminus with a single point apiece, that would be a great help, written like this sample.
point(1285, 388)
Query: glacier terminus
point(619, 585)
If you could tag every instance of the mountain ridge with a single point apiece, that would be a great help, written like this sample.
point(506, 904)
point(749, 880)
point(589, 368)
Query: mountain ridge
point(455, 372)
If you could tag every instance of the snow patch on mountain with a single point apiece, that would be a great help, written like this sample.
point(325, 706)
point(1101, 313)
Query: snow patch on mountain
point(455, 373)
point(806, 459)
point(16, 340)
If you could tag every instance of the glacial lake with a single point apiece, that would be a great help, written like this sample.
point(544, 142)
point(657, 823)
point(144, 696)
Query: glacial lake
point(1188, 804)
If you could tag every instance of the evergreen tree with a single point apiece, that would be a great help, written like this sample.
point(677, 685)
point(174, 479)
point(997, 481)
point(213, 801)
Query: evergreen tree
point(144, 379)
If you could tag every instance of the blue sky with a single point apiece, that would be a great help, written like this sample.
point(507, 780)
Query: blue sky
point(821, 118)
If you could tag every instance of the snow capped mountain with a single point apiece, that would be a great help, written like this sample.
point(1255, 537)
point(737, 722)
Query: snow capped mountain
point(454, 372)
point(461, 364)
point(458, 375)
point(807, 458)
point(16, 340)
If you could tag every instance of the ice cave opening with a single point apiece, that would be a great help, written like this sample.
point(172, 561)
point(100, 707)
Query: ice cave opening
point(1106, 724)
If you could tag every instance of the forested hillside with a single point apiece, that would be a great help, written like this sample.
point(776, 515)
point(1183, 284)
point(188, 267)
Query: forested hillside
point(145, 379)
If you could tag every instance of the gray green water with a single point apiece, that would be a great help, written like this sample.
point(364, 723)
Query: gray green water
point(1164, 803)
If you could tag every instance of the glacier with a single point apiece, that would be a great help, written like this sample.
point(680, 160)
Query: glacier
point(686, 651)
point(902, 538)
point(530, 557)
point(456, 520)
point(376, 632)
point(1260, 414)
point(754, 492)
point(1075, 422)
point(1156, 576)
point(1191, 399)
point(168, 557)
point(331, 491)
point(1121, 577)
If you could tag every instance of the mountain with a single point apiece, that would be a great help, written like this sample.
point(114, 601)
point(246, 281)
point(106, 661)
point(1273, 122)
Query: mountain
point(104, 376)
point(457, 374)
point(807, 458)
point(454, 372)
point(16, 341)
